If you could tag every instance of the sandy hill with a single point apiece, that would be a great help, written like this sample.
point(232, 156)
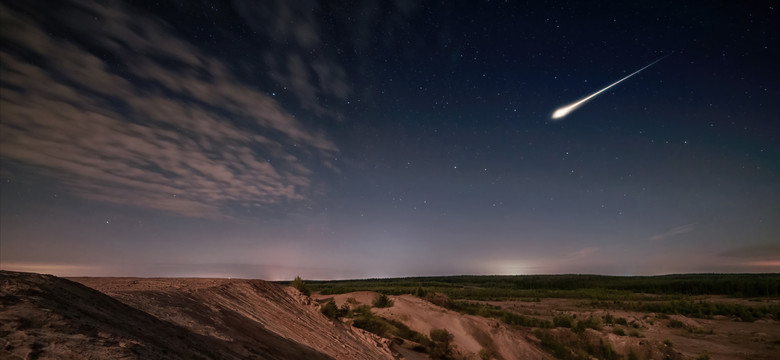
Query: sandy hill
point(47, 317)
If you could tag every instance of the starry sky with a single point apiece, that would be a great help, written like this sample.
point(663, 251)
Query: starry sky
point(332, 140)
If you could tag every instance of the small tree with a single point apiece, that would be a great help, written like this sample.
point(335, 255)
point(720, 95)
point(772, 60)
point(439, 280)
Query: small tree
point(382, 301)
point(300, 285)
point(330, 310)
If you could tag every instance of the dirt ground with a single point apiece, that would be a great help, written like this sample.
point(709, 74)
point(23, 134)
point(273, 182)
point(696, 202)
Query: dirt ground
point(648, 335)
point(720, 337)
point(45, 317)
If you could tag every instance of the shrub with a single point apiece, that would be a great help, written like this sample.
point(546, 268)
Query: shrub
point(632, 355)
point(553, 345)
point(704, 356)
point(373, 324)
point(440, 348)
point(330, 310)
point(591, 323)
point(420, 292)
point(382, 301)
point(563, 321)
point(362, 310)
point(352, 301)
point(621, 321)
point(579, 328)
point(609, 319)
point(300, 285)
point(668, 343)
point(618, 332)
point(486, 354)
point(676, 324)
point(634, 333)
point(439, 299)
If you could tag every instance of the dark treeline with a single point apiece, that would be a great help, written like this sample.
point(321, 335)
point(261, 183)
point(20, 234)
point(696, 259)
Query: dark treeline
point(494, 286)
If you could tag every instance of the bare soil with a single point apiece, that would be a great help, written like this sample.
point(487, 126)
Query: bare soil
point(647, 335)
point(45, 317)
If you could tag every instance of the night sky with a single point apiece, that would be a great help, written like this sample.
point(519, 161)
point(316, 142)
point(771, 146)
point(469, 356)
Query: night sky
point(268, 139)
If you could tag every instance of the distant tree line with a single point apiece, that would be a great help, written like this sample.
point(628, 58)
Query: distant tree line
point(577, 286)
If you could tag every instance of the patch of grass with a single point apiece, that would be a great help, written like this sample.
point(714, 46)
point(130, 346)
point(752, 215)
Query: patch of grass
point(618, 332)
point(492, 311)
point(621, 321)
point(388, 328)
point(571, 346)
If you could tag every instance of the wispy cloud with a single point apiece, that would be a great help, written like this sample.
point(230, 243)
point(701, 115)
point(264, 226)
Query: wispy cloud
point(754, 252)
point(584, 253)
point(679, 230)
point(300, 62)
point(162, 126)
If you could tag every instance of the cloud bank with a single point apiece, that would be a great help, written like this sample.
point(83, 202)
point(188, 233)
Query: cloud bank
point(122, 110)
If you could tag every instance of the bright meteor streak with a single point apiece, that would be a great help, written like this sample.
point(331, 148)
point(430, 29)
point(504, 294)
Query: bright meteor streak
point(561, 112)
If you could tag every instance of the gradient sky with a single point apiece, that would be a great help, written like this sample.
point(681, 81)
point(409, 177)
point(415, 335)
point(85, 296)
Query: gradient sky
point(268, 139)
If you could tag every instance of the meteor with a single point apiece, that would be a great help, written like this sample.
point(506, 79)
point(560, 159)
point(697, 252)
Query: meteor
point(561, 112)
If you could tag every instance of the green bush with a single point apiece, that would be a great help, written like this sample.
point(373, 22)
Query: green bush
point(330, 310)
point(621, 321)
point(362, 310)
point(382, 301)
point(373, 324)
point(591, 323)
point(563, 321)
point(300, 285)
point(618, 332)
point(609, 319)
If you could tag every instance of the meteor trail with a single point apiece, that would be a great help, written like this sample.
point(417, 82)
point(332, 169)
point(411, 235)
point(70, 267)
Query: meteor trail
point(561, 112)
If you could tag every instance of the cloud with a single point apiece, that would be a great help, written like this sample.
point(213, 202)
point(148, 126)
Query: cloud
point(299, 61)
point(161, 126)
point(754, 252)
point(673, 232)
point(584, 253)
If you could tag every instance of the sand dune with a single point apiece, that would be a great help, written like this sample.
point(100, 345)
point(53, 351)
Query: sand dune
point(47, 317)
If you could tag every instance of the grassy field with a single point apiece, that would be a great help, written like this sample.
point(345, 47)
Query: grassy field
point(668, 294)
